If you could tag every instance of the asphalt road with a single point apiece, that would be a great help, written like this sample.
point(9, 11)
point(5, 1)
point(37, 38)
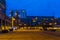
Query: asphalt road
point(29, 36)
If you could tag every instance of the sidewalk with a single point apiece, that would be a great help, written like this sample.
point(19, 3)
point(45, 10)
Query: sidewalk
point(26, 30)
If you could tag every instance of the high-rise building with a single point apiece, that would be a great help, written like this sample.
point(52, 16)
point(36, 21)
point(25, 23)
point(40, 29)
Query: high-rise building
point(23, 13)
point(2, 6)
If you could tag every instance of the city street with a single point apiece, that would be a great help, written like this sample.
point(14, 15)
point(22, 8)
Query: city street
point(29, 35)
point(29, 20)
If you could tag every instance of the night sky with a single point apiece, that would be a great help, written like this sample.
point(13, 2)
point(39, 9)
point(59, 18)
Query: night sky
point(35, 7)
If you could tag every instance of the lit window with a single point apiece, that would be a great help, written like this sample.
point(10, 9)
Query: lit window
point(13, 18)
point(50, 23)
point(34, 20)
point(55, 23)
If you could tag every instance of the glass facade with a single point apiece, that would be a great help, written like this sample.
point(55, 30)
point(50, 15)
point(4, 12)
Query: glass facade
point(2, 6)
point(2, 11)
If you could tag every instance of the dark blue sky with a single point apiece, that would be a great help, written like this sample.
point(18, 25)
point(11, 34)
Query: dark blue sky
point(35, 7)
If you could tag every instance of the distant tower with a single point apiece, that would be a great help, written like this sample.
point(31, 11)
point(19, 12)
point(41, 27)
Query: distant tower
point(2, 6)
point(17, 16)
point(11, 13)
point(23, 13)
